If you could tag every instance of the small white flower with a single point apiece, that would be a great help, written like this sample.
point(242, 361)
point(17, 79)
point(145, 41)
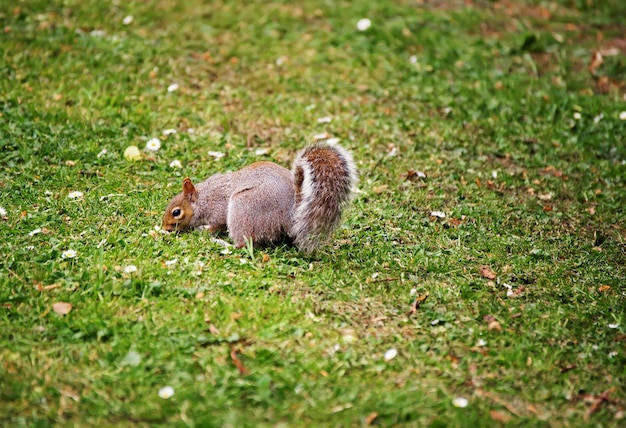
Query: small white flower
point(413, 292)
point(322, 136)
point(3, 212)
point(598, 118)
point(325, 119)
point(166, 392)
point(413, 59)
point(127, 20)
point(175, 164)
point(439, 214)
point(68, 254)
point(153, 144)
point(622, 115)
point(312, 106)
point(390, 354)
point(460, 402)
point(261, 151)
point(577, 115)
point(170, 263)
point(130, 269)
point(173, 87)
point(375, 275)
point(169, 131)
point(216, 155)
point(332, 141)
point(494, 174)
point(420, 174)
point(280, 61)
point(102, 153)
point(363, 24)
point(97, 33)
point(132, 153)
point(612, 354)
point(225, 251)
point(34, 232)
point(75, 195)
point(613, 325)
point(435, 321)
point(481, 343)
point(191, 131)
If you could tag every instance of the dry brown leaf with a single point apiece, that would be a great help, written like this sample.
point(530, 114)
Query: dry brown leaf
point(499, 416)
point(237, 362)
point(604, 288)
point(486, 272)
point(370, 418)
point(596, 62)
point(62, 308)
point(416, 304)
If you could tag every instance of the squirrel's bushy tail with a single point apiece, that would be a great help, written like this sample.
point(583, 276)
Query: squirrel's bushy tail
point(324, 177)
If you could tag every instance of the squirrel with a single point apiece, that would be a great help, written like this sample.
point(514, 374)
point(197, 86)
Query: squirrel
point(267, 203)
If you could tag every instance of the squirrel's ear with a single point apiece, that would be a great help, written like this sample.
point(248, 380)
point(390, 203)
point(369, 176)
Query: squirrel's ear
point(189, 190)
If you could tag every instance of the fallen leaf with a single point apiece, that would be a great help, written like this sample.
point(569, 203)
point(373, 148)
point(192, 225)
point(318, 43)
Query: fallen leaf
point(567, 368)
point(486, 272)
point(417, 303)
point(596, 62)
point(604, 288)
point(380, 189)
point(237, 362)
point(62, 308)
point(370, 418)
point(499, 416)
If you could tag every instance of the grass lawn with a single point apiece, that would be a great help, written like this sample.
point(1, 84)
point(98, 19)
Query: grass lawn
point(478, 279)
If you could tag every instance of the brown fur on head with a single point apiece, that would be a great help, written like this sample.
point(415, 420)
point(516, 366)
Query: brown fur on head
point(179, 211)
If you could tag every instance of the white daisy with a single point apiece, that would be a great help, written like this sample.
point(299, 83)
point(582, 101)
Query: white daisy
point(216, 155)
point(34, 232)
point(326, 119)
point(68, 254)
point(75, 194)
point(132, 153)
point(577, 116)
point(413, 59)
point(460, 402)
point(175, 164)
point(363, 24)
point(613, 325)
point(166, 392)
point(622, 115)
point(173, 87)
point(3, 212)
point(391, 354)
point(169, 131)
point(127, 20)
point(130, 269)
point(153, 144)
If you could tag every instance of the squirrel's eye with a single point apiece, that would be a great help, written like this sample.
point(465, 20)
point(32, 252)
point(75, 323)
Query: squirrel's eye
point(176, 212)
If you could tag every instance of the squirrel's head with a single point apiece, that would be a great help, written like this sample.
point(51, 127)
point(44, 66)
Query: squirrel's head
point(179, 211)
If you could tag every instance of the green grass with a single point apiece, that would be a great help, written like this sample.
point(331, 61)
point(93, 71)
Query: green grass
point(486, 108)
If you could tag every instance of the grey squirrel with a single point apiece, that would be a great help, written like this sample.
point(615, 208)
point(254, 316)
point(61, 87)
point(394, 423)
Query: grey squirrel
point(267, 203)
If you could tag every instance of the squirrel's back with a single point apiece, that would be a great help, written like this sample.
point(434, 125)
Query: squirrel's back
point(324, 177)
